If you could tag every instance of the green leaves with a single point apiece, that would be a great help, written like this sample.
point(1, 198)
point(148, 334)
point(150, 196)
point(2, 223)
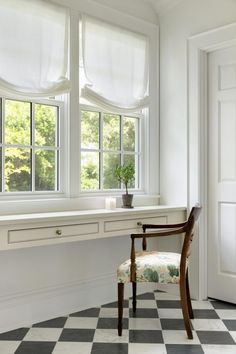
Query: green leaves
point(125, 174)
point(151, 275)
point(174, 272)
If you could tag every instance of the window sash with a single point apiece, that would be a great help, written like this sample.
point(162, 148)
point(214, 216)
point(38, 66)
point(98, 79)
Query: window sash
point(138, 155)
point(32, 147)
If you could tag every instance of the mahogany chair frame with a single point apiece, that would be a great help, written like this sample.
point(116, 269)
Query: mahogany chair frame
point(186, 228)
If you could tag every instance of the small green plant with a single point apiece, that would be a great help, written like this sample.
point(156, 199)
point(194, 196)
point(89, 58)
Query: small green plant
point(125, 174)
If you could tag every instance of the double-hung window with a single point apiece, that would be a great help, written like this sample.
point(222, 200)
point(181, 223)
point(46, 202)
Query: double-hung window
point(33, 67)
point(114, 77)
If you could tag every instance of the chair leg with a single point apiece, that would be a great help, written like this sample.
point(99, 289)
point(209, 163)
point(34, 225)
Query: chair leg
point(190, 309)
point(184, 305)
point(120, 307)
point(134, 302)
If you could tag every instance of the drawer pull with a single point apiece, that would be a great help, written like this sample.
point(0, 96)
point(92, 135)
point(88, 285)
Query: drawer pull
point(58, 232)
point(139, 223)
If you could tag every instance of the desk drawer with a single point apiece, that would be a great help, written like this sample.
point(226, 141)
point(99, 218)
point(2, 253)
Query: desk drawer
point(131, 225)
point(54, 232)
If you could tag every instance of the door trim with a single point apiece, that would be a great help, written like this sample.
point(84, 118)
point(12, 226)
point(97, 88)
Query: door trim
point(198, 47)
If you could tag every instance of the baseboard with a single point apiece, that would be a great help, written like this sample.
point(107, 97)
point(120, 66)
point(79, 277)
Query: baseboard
point(25, 308)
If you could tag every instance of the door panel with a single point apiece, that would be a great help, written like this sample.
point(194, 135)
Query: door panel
point(222, 174)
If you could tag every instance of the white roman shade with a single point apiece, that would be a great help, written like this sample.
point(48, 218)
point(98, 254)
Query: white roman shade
point(33, 47)
point(115, 64)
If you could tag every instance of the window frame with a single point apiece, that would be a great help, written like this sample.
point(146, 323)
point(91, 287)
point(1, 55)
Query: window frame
point(60, 148)
point(142, 132)
point(70, 195)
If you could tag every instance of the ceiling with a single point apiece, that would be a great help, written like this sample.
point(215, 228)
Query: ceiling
point(162, 6)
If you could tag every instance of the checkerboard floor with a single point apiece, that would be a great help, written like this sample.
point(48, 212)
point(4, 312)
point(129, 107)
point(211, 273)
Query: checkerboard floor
point(157, 327)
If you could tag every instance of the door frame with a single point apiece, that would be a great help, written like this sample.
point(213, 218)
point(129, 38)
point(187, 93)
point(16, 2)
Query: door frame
point(198, 47)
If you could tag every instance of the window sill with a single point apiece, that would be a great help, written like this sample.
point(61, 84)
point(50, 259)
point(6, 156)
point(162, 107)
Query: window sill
point(10, 207)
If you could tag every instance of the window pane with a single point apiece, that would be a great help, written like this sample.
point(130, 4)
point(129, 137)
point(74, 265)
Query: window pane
point(0, 169)
point(0, 120)
point(130, 129)
point(110, 161)
point(17, 170)
point(17, 122)
point(45, 170)
point(89, 130)
point(127, 160)
point(45, 125)
point(111, 132)
point(89, 170)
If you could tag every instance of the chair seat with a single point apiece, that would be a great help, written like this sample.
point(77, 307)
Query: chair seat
point(158, 267)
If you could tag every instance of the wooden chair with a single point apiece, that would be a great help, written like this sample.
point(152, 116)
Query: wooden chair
point(160, 267)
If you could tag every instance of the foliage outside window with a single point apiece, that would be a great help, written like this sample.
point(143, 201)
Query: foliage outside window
point(107, 140)
point(29, 146)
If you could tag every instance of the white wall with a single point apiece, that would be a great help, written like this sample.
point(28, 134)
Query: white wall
point(186, 19)
point(45, 282)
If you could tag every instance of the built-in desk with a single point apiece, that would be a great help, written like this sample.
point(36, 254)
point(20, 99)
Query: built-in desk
point(27, 230)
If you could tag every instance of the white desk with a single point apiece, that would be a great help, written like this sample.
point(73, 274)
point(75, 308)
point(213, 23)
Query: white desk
point(28, 230)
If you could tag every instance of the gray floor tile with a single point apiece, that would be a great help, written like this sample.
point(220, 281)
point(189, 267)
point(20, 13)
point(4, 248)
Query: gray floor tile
point(215, 337)
point(17, 334)
point(211, 314)
point(58, 322)
point(109, 348)
point(230, 324)
point(77, 335)
point(145, 336)
point(184, 349)
point(35, 348)
point(111, 323)
point(168, 304)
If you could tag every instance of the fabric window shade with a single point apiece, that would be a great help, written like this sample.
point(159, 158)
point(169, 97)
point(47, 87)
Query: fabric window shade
point(33, 48)
point(115, 63)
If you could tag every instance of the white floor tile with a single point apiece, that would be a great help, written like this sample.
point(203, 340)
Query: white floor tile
point(110, 336)
point(179, 337)
point(43, 334)
point(208, 325)
point(72, 348)
point(112, 312)
point(144, 323)
point(226, 314)
point(136, 348)
point(219, 349)
point(170, 313)
point(233, 334)
point(201, 305)
point(166, 296)
point(81, 322)
point(8, 347)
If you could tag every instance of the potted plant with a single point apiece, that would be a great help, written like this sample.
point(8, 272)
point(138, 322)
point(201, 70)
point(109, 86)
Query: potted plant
point(125, 174)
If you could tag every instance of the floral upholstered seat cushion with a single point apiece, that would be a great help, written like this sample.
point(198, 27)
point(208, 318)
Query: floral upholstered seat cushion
point(158, 267)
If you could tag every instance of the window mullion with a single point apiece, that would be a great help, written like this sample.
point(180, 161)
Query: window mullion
point(32, 146)
point(101, 150)
point(3, 144)
point(122, 143)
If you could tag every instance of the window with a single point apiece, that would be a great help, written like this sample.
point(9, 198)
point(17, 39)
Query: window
point(113, 78)
point(29, 146)
point(107, 140)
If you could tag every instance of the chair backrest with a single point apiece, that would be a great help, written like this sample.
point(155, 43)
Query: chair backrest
point(189, 229)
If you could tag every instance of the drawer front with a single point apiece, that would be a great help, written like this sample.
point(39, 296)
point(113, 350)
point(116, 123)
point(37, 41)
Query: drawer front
point(132, 224)
point(44, 233)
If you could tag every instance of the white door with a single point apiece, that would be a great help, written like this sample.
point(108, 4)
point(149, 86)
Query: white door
point(222, 174)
